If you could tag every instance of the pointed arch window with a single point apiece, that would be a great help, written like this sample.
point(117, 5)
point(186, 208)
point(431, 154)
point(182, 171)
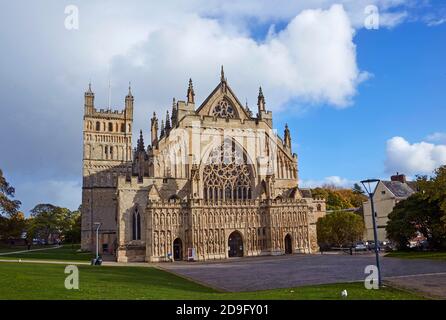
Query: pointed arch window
point(136, 223)
point(227, 175)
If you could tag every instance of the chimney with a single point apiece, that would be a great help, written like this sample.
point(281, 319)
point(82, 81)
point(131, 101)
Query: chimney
point(399, 177)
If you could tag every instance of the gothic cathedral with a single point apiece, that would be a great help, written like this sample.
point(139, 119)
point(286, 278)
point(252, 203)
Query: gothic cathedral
point(215, 182)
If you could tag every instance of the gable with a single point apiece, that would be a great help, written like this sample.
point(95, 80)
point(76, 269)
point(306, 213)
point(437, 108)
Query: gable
point(222, 102)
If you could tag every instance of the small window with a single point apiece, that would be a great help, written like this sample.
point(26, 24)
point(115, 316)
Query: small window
point(383, 192)
point(122, 127)
point(98, 126)
point(110, 126)
point(136, 235)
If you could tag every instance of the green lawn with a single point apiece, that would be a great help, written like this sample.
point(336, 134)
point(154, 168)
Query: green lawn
point(441, 255)
point(46, 281)
point(66, 253)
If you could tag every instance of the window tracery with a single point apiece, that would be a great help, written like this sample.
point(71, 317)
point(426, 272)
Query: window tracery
point(224, 109)
point(227, 175)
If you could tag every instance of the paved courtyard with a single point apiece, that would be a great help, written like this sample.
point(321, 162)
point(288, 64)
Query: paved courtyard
point(260, 273)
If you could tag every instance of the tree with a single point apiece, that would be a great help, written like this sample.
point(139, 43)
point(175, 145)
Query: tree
point(340, 229)
point(49, 221)
point(433, 189)
point(423, 212)
point(72, 231)
point(357, 189)
point(338, 198)
point(7, 205)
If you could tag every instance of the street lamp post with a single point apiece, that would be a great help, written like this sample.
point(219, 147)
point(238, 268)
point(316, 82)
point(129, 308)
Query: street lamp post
point(370, 186)
point(98, 225)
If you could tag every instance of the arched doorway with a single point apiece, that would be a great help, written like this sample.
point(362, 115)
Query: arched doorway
point(288, 244)
point(235, 245)
point(177, 249)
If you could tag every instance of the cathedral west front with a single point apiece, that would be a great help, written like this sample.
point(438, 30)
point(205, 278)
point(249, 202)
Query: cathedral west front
point(215, 181)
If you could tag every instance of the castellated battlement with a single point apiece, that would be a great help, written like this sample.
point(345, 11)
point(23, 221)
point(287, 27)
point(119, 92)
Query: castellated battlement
point(108, 114)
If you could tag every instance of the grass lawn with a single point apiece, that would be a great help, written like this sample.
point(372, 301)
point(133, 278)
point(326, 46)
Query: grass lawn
point(46, 281)
point(434, 255)
point(66, 252)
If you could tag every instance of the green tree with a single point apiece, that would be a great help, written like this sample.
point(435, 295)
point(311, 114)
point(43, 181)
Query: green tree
point(357, 189)
point(48, 220)
point(422, 212)
point(433, 189)
point(8, 206)
point(72, 232)
point(339, 229)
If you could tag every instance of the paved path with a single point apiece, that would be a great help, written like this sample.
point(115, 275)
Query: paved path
point(31, 250)
point(261, 273)
point(431, 285)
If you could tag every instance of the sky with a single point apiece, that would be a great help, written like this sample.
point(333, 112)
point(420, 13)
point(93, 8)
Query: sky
point(361, 83)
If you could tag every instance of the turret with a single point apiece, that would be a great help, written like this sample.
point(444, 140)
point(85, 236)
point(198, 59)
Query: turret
point(129, 104)
point(162, 129)
point(174, 116)
point(89, 101)
point(223, 80)
point(154, 130)
point(287, 138)
point(167, 126)
point(262, 114)
point(140, 156)
point(261, 101)
point(190, 93)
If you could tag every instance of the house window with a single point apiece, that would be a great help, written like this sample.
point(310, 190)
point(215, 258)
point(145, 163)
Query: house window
point(383, 192)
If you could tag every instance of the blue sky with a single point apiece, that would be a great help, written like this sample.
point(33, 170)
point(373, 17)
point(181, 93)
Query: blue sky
point(360, 103)
point(406, 96)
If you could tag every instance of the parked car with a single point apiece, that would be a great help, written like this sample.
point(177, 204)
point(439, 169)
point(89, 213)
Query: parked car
point(360, 246)
point(371, 245)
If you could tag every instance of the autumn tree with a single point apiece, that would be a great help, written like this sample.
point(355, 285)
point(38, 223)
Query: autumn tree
point(339, 198)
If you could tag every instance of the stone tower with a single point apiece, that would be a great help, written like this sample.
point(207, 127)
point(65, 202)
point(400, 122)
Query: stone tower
point(107, 153)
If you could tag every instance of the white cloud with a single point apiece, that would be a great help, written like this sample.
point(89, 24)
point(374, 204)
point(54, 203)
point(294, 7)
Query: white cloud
point(158, 45)
point(439, 137)
point(313, 59)
point(331, 181)
point(412, 159)
point(434, 23)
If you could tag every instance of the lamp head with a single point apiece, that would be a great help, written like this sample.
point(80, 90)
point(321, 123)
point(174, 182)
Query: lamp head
point(370, 185)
